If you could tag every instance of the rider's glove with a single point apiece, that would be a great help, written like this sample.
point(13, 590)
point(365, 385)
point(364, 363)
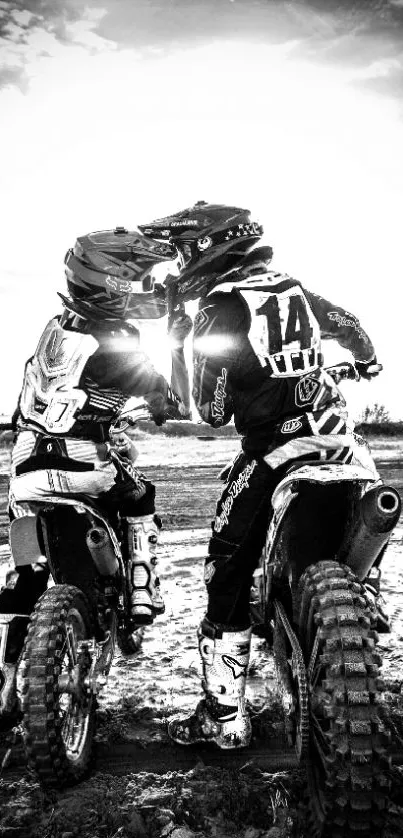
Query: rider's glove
point(165, 407)
point(156, 402)
point(177, 412)
point(180, 328)
point(175, 409)
point(368, 369)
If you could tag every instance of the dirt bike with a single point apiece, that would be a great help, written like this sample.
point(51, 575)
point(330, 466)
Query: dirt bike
point(331, 522)
point(74, 628)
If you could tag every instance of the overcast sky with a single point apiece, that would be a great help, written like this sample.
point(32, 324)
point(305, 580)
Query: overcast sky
point(120, 111)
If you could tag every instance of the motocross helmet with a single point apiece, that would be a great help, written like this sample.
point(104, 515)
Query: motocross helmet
point(109, 275)
point(210, 238)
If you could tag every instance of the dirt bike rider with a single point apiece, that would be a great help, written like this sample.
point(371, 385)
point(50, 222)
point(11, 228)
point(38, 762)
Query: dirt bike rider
point(87, 364)
point(257, 357)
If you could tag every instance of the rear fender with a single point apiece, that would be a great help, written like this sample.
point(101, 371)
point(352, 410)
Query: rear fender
point(24, 542)
point(323, 499)
point(324, 474)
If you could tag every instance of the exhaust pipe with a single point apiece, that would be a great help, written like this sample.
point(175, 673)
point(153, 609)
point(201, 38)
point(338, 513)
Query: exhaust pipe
point(377, 514)
point(102, 552)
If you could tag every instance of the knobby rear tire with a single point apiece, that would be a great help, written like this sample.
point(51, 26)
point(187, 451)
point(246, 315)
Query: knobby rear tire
point(51, 717)
point(348, 771)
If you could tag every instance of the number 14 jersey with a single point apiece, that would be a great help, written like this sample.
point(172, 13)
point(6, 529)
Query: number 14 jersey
point(257, 340)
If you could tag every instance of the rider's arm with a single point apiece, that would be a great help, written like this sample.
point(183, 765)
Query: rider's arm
point(215, 353)
point(131, 371)
point(337, 323)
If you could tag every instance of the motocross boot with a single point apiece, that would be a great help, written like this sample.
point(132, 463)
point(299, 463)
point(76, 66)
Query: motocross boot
point(13, 628)
point(145, 597)
point(221, 717)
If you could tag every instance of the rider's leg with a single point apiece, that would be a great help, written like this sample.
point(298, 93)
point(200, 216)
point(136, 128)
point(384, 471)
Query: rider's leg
point(372, 585)
point(239, 532)
point(141, 528)
point(134, 498)
point(23, 588)
point(119, 488)
point(18, 598)
point(25, 583)
point(221, 717)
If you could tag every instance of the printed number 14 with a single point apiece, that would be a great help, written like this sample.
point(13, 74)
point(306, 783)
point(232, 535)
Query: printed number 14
point(298, 327)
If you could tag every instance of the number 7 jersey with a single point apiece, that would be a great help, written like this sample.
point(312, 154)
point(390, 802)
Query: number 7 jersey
point(257, 348)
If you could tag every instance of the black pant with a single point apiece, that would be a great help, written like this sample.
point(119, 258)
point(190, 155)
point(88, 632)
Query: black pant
point(239, 533)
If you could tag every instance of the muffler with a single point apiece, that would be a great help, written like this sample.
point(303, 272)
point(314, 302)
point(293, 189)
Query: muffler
point(377, 514)
point(102, 552)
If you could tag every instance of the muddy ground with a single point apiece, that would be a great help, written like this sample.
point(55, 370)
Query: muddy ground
point(141, 785)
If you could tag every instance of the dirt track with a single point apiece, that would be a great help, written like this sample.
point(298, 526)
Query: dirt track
point(142, 785)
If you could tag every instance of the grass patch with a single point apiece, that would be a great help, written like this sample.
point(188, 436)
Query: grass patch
point(185, 428)
point(371, 429)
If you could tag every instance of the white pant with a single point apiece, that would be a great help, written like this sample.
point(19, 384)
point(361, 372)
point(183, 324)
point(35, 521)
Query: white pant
point(35, 484)
point(32, 485)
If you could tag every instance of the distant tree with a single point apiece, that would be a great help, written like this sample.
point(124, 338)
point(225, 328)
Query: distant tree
point(368, 6)
point(375, 413)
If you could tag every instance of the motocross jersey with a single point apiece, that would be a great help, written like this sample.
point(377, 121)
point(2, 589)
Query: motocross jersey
point(77, 381)
point(257, 350)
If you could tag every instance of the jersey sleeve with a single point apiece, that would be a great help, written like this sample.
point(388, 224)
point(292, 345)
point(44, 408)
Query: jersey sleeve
point(129, 370)
point(340, 325)
point(216, 348)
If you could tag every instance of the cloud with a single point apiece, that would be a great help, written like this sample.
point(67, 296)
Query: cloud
point(341, 33)
point(158, 24)
point(19, 18)
point(30, 29)
point(146, 25)
point(363, 39)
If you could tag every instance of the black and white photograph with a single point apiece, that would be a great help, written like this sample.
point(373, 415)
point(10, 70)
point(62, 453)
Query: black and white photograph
point(201, 419)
